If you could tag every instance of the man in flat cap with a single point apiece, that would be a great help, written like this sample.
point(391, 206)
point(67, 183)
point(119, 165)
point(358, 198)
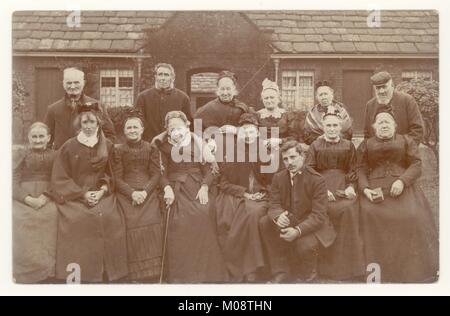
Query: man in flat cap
point(403, 106)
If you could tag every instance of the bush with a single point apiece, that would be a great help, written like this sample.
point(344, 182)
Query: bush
point(426, 94)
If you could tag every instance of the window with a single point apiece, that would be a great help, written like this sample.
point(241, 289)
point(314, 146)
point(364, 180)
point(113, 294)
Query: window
point(410, 75)
point(298, 90)
point(116, 87)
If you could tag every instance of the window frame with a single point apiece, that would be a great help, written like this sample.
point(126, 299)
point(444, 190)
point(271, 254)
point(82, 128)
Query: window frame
point(299, 73)
point(104, 73)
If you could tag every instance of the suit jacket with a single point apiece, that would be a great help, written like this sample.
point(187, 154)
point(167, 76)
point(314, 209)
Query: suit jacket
point(406, 113)
point(60, 119)
point(310, 203)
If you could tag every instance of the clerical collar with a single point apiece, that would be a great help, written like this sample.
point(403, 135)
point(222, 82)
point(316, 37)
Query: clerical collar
point(89, 141)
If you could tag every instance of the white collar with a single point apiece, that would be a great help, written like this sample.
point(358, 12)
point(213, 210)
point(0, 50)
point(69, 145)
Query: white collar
point(89, 141)
point(278, 113)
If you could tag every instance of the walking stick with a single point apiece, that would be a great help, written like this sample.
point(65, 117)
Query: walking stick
point(166, 235)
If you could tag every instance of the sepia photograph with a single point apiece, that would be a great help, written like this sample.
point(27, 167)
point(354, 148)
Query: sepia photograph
point(225, 147)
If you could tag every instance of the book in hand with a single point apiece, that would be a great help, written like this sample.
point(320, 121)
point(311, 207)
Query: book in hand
point(379, 196)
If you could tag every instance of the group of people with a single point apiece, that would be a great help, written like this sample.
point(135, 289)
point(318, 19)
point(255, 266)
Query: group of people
point(134, 212)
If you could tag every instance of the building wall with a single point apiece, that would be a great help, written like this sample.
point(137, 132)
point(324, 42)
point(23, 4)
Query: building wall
point(26, 68)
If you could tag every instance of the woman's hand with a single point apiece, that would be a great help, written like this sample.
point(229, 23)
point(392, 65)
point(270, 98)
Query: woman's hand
point(350, 193)
point(369, 194)
point(203, 195)
point(139, 197)
point(397, 188)
point(32, 202)
point(331, 197)
point(169, 196)
point(90, 198)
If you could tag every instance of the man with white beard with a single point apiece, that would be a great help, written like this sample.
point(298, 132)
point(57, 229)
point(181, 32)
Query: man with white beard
point(403, 106)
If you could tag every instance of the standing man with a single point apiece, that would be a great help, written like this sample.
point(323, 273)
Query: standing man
point(61, 115)
point(156, 102)
point(403, 106)
point(297, 225)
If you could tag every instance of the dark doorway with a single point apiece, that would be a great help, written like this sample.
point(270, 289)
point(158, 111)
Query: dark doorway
point(357, 92)
point(49, 89)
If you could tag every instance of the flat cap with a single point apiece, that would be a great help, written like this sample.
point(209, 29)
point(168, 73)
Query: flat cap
point(380, 78)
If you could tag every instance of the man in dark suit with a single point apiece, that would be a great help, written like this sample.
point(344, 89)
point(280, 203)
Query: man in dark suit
point(403, 106)
point(297, 225)
point(163, 98)
point(62, 114)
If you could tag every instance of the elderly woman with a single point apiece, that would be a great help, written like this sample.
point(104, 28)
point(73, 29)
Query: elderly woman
point(327, 104)
point(397, 223)
point(242, 201)
point(193, 253)
point(34, 213)
point(272, 112)
point(335, 159)
point(137, 174)
point(225, 111)
point(91, 229)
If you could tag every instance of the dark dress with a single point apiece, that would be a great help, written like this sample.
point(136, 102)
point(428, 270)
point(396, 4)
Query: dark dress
point(336, 162)
point(34, 231)
point(92, 237)
point(136, 168)
point(399, 233)
point(270, 122)
point(238, 218)
point(193, 254)
point(217, 114)
point(292, 126)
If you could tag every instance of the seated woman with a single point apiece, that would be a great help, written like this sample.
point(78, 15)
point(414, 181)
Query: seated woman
point(91, 229)
point(193, 253)
point(241, 202)
point(327, 104)
point(34, 213)
point(397, 223)
point(335, 159)
point(137, 175)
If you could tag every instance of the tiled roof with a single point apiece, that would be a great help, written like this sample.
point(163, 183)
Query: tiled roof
point(302, 32)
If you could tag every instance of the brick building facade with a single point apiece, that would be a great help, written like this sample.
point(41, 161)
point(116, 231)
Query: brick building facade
point(118, 51)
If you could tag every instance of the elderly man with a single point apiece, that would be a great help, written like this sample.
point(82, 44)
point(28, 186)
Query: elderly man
point(297, 225)
point(327, 104)
point(62, 114)
point(156, 102)
point(403, 106)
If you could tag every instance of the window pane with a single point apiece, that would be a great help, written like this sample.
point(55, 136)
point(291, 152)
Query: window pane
point(289, 89)
point(108, 82)
point(125, 82)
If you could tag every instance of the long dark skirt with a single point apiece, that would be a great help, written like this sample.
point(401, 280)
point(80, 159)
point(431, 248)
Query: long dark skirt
point(92, 238)
point(401, 237)
point(194, 255)
point(144, 236)
point(239, 235)
point(344, 260)
point(34, 238)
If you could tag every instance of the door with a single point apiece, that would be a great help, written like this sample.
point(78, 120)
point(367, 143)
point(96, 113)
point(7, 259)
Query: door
point(49, 89)
point(357, 92)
